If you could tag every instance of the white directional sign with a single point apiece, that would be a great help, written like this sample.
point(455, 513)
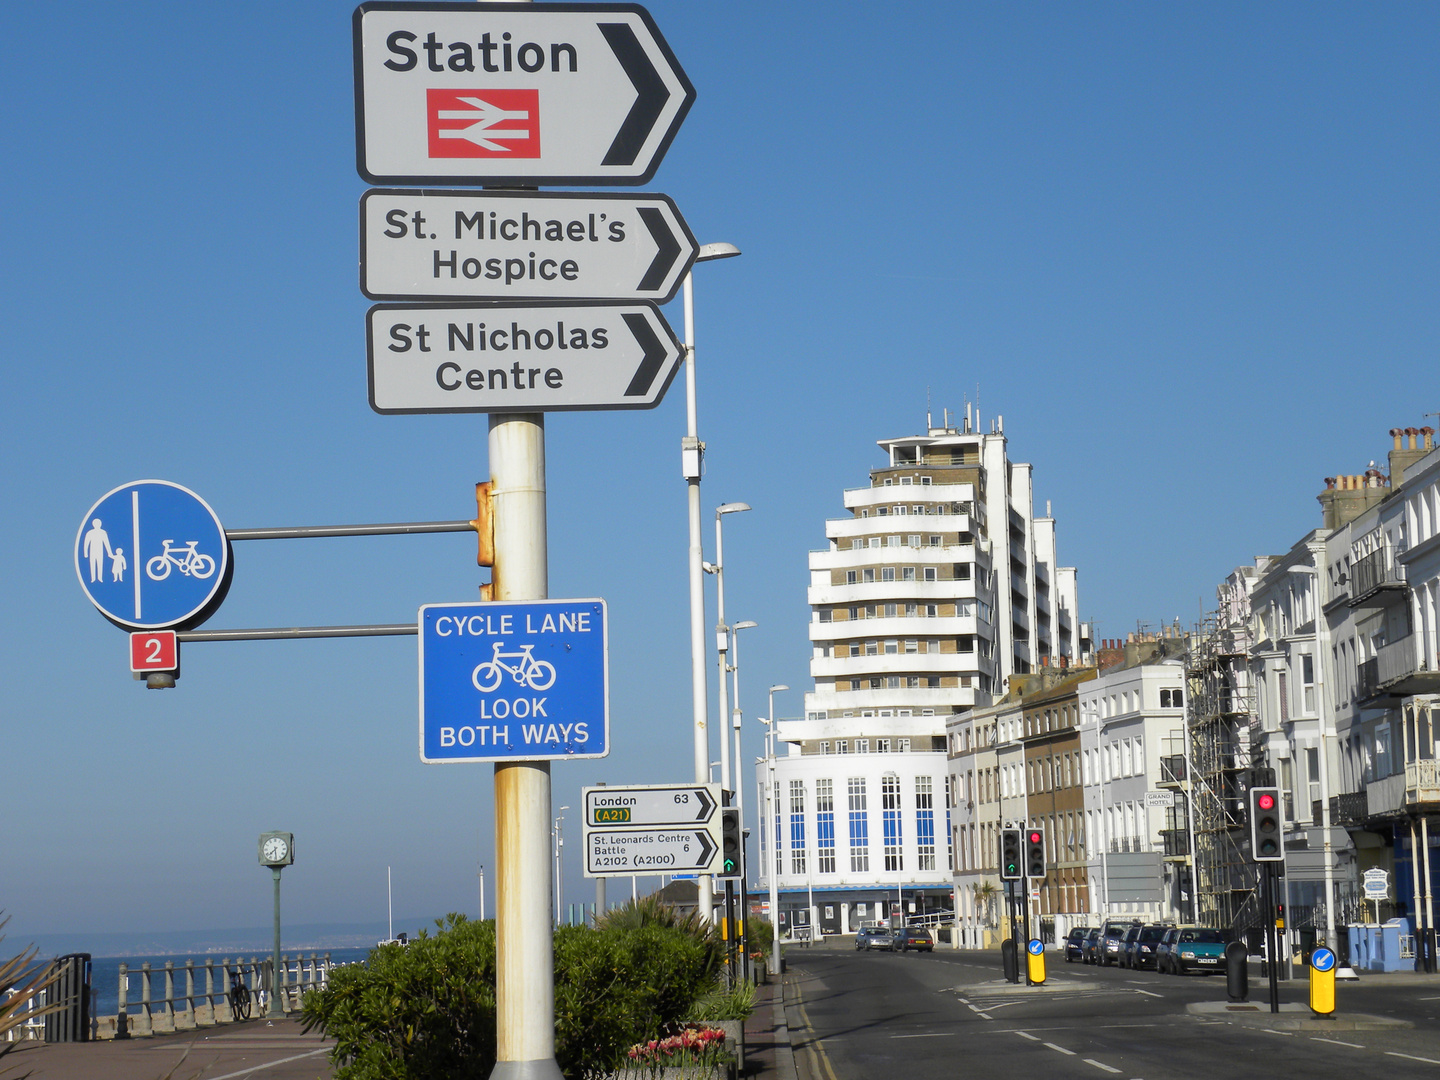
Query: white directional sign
point(555, 94)
point(647, 807)
point(535, 357)
point(656, 828)
point(649, 851)
point(493, 245)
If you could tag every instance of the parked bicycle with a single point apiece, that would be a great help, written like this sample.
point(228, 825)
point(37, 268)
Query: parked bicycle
point(186, 559)
point(536, 674)
point(239, 997)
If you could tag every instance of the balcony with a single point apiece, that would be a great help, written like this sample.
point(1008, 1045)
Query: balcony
point(1417, 786)
point(1374, 574)
point(1172, 769)
point(919, 664)
point(901, 626)
point(1396, 671)
point(1351, 808)
point(870, 592)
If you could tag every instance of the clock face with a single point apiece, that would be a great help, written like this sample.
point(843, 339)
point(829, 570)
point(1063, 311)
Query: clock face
point(275, 849)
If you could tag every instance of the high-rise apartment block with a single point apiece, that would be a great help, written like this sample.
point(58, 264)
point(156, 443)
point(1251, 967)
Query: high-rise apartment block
point(938, 585)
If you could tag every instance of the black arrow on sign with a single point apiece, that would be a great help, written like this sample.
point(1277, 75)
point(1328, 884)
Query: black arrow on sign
point(707, 848)
point(669, 248)
point(647, 339)
point(707, 804)
point(651, 94)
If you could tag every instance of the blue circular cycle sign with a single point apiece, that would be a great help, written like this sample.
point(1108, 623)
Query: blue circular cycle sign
point(1322, 959)
point(152, 554)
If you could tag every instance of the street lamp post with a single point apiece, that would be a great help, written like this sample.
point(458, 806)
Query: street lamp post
point(559, 844)
point(739, 787)
point(692, 451)
point(772, 870)
point(722, 632)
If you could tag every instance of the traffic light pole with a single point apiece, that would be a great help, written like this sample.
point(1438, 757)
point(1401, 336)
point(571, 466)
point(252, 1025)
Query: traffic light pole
point(1025, 943)
point(1272, 950)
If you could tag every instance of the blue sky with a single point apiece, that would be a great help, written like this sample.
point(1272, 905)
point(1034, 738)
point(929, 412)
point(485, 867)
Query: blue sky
point(1188, 251)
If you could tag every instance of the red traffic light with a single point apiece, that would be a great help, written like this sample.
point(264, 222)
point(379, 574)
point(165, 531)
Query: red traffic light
point(1265, 801)
point(1035, 837)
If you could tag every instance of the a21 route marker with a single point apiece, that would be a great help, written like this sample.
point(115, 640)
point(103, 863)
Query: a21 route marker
point(442, 245)
point(552, 94)
point(525, 357)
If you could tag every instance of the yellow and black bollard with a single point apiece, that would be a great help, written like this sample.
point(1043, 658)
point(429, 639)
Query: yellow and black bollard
point(1322, 981)
point(1035, 962)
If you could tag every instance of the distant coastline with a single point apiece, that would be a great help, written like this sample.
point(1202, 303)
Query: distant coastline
point(301, 937)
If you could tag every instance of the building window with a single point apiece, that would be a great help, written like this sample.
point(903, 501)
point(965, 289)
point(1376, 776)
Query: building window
point(824, 746)
point(1307, 682)
point(912, 682)
point(882, 746)
point(932, 611)
point(890, 611)
point(893, 831)
point(825, 826)
point(887, 573)
point(924, 481)
point(862, 746)
point(852, 577)
point(875, 684)
point(874, 542)
point(797, 826)
point(929, 573)
point(907, 573)
point(935, 541)
point(775, 799)
point(1171, 699)
point(925, 822)
point(914, 538)
point(904, 744)
point(868, 574)
point(892, 647)
point(854, 684)
point(859, 827)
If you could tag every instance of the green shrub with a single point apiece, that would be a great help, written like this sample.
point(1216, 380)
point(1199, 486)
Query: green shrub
point(428, 1009)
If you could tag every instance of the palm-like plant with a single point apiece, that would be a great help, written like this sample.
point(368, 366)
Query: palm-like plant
point(985, 893)
point(20, 980)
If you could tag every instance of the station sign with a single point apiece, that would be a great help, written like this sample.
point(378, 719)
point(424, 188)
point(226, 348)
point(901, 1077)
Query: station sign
point(521, 680)
point(651, 829)
point(513, 93)
point(495, 245)
point(527, 357)
point(152, 555)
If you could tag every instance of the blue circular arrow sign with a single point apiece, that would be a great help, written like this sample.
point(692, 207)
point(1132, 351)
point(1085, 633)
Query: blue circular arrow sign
point(1322, 959)
point(152, 554)
point(1036, 946)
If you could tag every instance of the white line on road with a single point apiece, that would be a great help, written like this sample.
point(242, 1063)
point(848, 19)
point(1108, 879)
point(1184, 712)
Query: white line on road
point(1150, 992)
point(1412, 1057)
point(1272, 1031)
point(282, 1061)
point(1100, 1065)
point(1027, 1035)
point(927, 1035)
point(1052, 1046)
point(1337, 1042)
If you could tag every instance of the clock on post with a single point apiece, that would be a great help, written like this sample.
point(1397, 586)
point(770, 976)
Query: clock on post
point(277, 849)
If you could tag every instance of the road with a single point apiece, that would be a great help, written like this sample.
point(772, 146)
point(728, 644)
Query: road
point(883, 1016)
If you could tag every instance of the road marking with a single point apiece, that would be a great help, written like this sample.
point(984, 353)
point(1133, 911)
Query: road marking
point(1272, 1031)
point(297, 1057)
point(1099, 1065)
point(1337, 1042)
point(927, 1035)
point(1150, 992)
point(1027, 1035)
point(1061, 1049)
point(1412, 1057)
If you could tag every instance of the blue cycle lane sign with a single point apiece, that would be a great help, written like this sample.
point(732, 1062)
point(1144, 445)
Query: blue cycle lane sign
point(524, 680)
point(152, 554)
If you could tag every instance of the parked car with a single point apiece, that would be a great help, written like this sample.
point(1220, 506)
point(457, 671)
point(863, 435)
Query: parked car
point(1140, 946)
point(1127, 942)
point(1074, 943)
point(1113, 941)
point(872, 937)
point(1193, 948)
point(1091, 946)
point(914, 937)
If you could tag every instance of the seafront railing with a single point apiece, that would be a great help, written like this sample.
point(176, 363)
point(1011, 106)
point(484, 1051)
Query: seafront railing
point(152, 1013)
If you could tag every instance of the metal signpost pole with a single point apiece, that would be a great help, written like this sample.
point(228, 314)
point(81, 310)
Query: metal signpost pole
point(277, 1009)
point(524, 960)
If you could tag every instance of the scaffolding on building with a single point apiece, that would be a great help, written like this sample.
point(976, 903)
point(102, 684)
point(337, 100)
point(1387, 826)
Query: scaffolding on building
point(1224, 746)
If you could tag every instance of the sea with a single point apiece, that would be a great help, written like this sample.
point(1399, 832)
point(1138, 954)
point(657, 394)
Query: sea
point(105, 975)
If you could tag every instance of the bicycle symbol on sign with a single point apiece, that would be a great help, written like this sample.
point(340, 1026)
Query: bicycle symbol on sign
point(187, 560)
point(536, 674)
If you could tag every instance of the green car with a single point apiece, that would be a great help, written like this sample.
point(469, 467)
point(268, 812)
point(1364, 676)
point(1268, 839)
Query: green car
point(1191, 948)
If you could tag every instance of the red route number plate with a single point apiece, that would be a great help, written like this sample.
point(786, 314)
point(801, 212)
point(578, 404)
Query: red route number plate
point(154, 650)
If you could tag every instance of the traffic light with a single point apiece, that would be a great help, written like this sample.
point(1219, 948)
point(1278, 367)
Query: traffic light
point(484, 525)
point(1266, 844)
point(1010, 854)
point(732, 855)
point(1035, 852)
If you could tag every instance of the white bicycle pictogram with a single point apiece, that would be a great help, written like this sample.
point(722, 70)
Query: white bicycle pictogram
point(536, 674)
point(186, 559)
